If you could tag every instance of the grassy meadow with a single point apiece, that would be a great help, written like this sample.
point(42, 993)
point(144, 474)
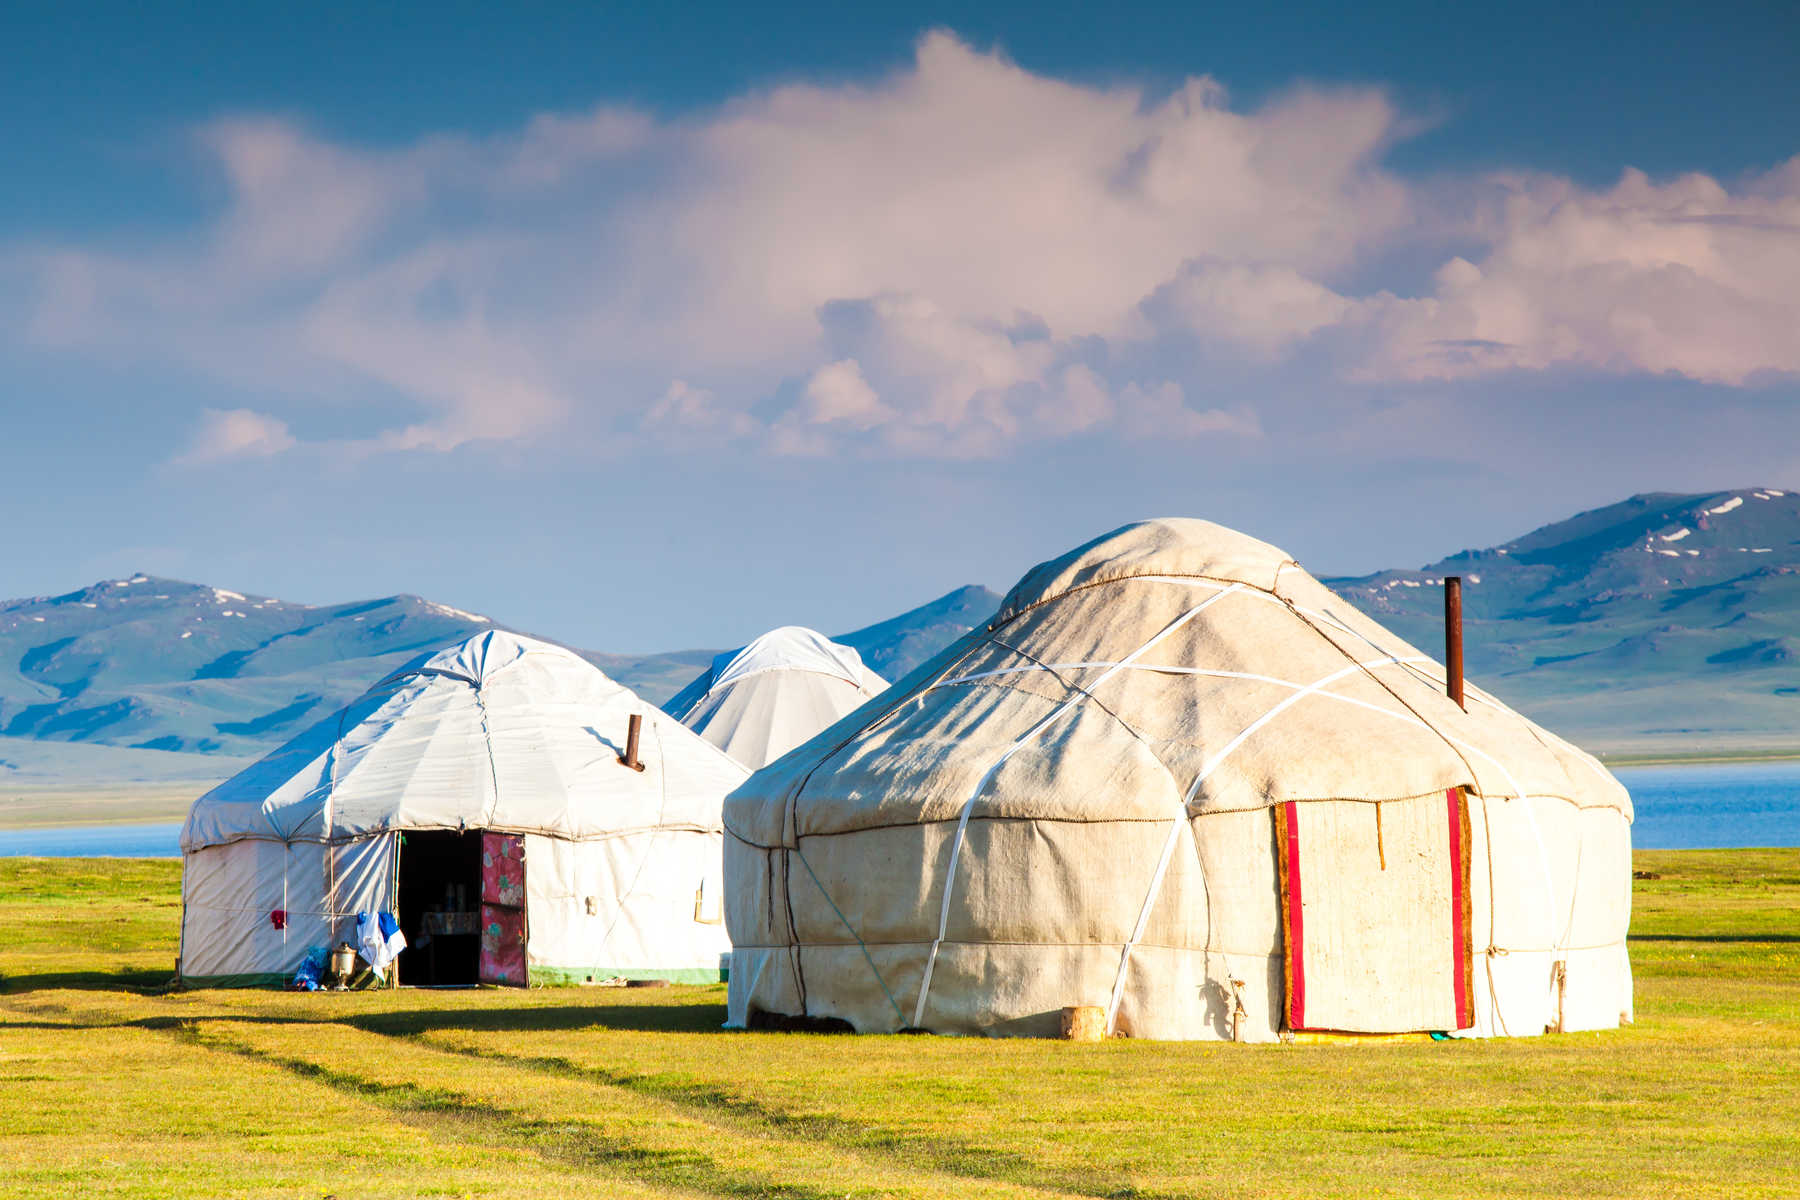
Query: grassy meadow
point(110, 1085)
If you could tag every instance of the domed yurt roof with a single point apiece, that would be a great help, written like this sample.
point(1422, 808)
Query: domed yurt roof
point(760, 701)
point(499, 732)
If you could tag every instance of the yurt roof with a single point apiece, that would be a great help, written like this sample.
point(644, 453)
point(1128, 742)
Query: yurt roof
point(1169, 662)
point(758, 702)
point(787, 648)
point(499, 732)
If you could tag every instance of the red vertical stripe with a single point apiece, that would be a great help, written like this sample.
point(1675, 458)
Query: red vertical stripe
point(1296, 925)
point(1459, 917)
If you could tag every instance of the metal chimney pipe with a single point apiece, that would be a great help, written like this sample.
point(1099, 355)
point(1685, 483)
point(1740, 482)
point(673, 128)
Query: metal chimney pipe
point(1453, 640)
point(630, 757)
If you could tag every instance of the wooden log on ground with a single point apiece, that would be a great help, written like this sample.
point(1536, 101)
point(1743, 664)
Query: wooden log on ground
point(1084, 1023)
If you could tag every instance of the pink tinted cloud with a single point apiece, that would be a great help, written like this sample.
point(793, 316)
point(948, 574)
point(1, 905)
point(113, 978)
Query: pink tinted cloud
point(955, 259)
point(235, 433)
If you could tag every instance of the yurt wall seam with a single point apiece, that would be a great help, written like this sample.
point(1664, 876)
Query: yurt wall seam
point(1574, 895)
point(1260, 952)
point(899, 1015)
point(896, 701)
point(962, 824)
point(487, 742)
point(327, 911)
point(332, 759)
point(497, 827)
point(1150, 897)
point(917, 822)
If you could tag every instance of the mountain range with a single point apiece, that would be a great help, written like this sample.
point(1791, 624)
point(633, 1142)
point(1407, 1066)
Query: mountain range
point(160, 664)
point(1664, 622)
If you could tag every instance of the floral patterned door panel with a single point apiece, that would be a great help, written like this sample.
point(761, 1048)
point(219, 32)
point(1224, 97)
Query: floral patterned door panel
point(503, 909)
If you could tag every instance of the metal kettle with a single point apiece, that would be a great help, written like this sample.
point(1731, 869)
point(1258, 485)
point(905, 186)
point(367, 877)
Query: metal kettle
point(343, 964)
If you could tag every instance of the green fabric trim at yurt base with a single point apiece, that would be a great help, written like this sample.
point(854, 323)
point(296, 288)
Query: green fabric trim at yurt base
point(574, 976)
point(250, 979)
point(539, 977)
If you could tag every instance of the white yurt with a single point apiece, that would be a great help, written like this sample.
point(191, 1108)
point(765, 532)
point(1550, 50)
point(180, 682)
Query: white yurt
point(761, 701)
point(479, 795)
point(1178, 779)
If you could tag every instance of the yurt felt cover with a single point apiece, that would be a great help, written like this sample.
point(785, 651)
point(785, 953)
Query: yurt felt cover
point(501, 733)
point(1073, 805)
point(759, 702)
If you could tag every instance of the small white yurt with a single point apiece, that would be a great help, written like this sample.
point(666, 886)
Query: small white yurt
point(759, 702)
point(1177, 779)
point(479, 795)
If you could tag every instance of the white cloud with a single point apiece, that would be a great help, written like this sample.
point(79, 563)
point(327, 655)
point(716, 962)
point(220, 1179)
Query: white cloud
point(1078, 401)
point(1162, 411)
point(950, 260)
point(236, 433)
point(685, 409)
point(1261, 308)
point(837, 394)
point(1685, 278)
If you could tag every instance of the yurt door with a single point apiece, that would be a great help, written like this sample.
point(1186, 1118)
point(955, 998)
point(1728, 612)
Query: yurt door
point(503, 909)
point(1375, 914)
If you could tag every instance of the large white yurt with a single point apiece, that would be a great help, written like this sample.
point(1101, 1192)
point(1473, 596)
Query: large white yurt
point(1178, 779)
point(759, 702)
point(479, 795)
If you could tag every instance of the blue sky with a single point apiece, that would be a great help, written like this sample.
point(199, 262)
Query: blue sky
point(660, 327)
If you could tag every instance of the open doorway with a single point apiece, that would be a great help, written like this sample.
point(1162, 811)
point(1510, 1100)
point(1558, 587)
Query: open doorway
point(440, 908)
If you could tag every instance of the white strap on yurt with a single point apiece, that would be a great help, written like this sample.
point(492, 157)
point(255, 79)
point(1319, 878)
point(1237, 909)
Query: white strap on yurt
point(1150, 897)
point(1024, 739)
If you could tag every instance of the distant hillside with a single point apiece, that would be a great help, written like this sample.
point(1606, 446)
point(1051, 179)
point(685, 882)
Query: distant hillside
point(159, 664)
point(1663, 621)
point(894, 647)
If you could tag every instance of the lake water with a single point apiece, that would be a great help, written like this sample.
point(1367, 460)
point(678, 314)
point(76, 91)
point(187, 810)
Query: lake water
point(1714, 804)
point(1678, 808)
point(159, 840)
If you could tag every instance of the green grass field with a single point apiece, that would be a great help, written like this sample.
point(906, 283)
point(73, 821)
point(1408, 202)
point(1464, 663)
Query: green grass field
point(110, 1086)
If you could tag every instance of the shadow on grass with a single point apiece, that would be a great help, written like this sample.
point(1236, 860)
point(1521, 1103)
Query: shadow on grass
point(573, 1144)
point(730, 1110)
point(698, 1017)
point(686, 1018)
point(139, 982)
